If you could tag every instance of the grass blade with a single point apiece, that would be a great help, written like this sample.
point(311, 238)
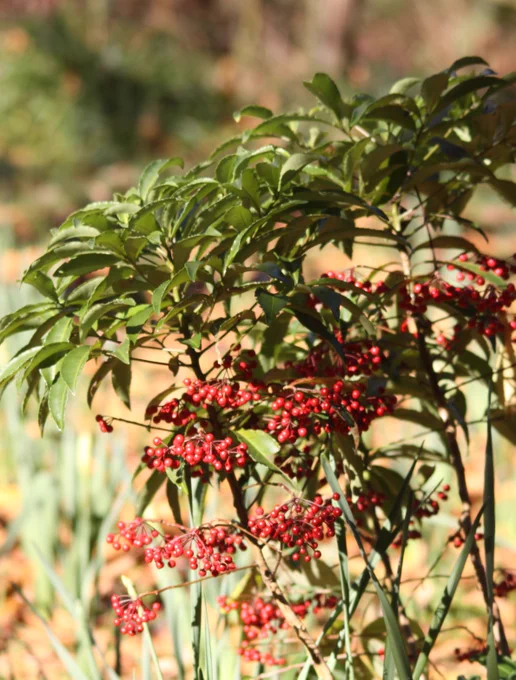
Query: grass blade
point(387, 534)
point(196, 499)
point(175, 601)
point(389, 666)
point(129, 586)
point(446, 600)
point(489, 541)
point(345, 583)
point(394, 636)
point(72, 668)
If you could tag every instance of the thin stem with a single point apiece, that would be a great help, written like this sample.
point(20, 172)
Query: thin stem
point(197, 580)
point(134, 422)
point(267, 575)
point(272, 585)
point(450, 431)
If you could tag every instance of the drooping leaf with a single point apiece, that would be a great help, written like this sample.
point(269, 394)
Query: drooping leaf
point(270, 303)
point(57, 400)
point(253, 110)
point(72, 365)
point(86, 263)
point(121, 379)
point(42, 283)
point(149, 490)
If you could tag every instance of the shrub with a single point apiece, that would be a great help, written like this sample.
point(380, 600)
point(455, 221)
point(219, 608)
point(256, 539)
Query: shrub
point(277, 378)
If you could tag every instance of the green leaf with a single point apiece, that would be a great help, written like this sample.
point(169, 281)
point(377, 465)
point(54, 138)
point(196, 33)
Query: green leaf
point(468, 87)
point(121, 379)
point(192, 268)
point(271, 304)
point(423, 418)
point(467, 61)
point(487, 276)
point(102, 371)
point(455, 242)
point(152, 172)
point(149, 490)
point(323, 87)
point(149, 645)
point(123, 350)
point(334, 301)
point(78, 231)
point(24, 357)
point(47, 356)
point(316, 326)
point(86, 264)
point(432, 88)
point(445, 602)
point(404, 85)
point(138, 320)
point(505, 188)
point(99, 310)
point(225, 167)
point(60, 331)
point(76, 611)
point(262, 448)
point(251, 186)
point(158, 295)
point(238, 217)
point(254, 110)
point(42, 283)
point(293, 166)
point(392, 113)
point(57, 400)
point(72, 365)
point(43, 412)
point(173, 498)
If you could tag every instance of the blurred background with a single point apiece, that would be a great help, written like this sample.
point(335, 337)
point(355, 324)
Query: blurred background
point(90, 90)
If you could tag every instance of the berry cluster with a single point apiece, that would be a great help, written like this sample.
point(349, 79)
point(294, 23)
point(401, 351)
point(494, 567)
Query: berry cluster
point(485, 305)
point(132, 614)
point(298, 524)
point(366, 286)
point(243, 365)
point(486, 263)
point(262, 619)
point(429, 506)
point(424, 507)
point(224, 393)
point(207, 548)
point(362, 359)
point(306, 413)
point(458, 539)
point(104, 424)
point(366, 500)
point(200, 448)
point(296, 463)
point(172, 412)
point(506, 585)
point(471, 654)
